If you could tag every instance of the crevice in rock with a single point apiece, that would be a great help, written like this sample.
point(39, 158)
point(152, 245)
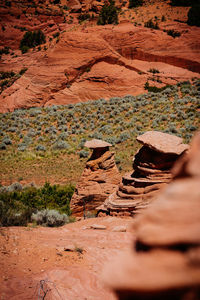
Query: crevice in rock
point(134, 53)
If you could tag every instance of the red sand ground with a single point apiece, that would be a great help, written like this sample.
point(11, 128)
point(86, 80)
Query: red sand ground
point(28, 255)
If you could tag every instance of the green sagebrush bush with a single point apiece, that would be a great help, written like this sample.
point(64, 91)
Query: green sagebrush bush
point(49, 217)
point(17, 206)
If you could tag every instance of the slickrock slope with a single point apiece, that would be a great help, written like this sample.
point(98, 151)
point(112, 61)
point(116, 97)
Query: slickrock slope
point(151, 172)
point(99, 179)
point(100, 61)
point(164, 262)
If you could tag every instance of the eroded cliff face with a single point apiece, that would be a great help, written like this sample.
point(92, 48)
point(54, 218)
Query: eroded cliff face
point(164, 260)
point(88, 62)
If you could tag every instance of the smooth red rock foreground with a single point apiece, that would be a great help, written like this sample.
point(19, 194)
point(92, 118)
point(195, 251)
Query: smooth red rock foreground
point(100, 62)
point(151, 172)
point(164, 260)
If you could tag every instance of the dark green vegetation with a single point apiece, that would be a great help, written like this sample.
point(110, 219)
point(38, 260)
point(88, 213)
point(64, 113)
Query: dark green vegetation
point(17, 205)
point(194, 15)
point(135, 3)
point(108, 14)
point(48, 143)
point(8, 78)
point(31, 40)
point(151, 24)
point(83, 17)
point(155, 89)
point(173, 33)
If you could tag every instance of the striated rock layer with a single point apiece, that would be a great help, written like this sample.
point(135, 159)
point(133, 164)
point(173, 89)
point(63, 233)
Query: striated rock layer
point(100, 62)
point(151, 172)
point(99, 179)
point(164, 262)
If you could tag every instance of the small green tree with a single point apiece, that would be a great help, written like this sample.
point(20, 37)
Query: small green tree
point(135, 3)
point(32, 39)
point(194, 16)
point(108, 14)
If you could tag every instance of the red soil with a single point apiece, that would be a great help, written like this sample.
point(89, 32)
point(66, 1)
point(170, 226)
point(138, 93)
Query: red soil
point(28, 255)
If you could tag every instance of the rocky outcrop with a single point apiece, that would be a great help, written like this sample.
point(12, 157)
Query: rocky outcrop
point(151, 172)
point(98, 62)
point(164, 262)
point(99, 179)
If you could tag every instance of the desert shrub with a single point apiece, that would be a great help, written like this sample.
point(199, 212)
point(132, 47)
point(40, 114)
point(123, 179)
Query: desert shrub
point(194, 15)
point(153, 71)
point(17, 206)
point(173, 33)
point(6, 140)
point(16, 186)
point(124, 136)
point(22, 147)
point(111, 139)
point(49, 217)
point(2, 146)
point(108, 14)
point(83, 154)
point(32, 39)
point(18, 215)
point(151, 24)
point(24, 49)
point(31, 132)
point(83, 17)
point(60, 145)
point(4, 75)
point(135, 3)
point(40, 148)
point(27, 140)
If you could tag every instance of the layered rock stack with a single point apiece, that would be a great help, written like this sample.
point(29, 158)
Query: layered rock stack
point(100, 178)
point(151, 172)
point(164, 262)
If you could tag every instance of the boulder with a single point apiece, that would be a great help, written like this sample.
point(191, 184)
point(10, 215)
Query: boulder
point(164, 262)
point(98, 226)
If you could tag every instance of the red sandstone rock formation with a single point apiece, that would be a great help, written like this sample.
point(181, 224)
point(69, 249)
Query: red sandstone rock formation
point(99, 179)
point(98, 62)
point(164, 262)
point(151, 172)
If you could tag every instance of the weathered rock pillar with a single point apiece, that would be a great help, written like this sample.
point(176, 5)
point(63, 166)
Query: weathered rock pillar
point(99, 179)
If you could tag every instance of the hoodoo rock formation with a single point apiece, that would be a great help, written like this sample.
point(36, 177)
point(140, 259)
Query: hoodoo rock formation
point(100, 178)
point(151, 171)
point(165, 260)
